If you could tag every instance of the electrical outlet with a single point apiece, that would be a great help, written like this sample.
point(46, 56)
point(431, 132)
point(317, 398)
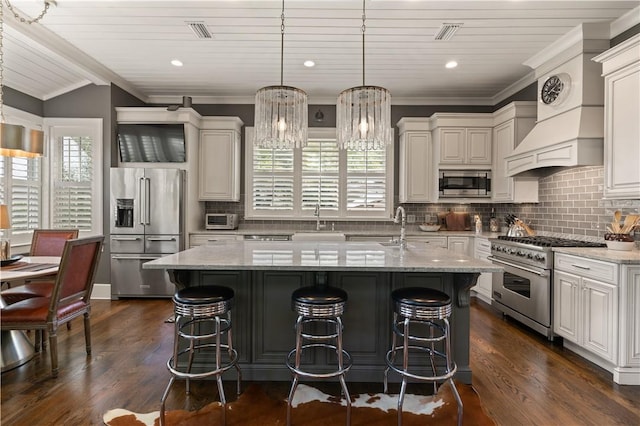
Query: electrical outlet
point(411, 218)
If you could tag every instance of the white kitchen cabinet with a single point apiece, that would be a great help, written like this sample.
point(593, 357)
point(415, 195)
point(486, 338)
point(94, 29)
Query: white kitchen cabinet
point(199, 239)
point(219, 159)
point(416, 168)
point(483, 288)
point(628, 369)
point(621, 70)
point(465, 146)
point(512, 123)
point(458, 245)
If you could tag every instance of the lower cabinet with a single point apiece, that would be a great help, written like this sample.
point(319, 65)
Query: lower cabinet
point(198, 239)
point(596, 310)
point(483, 288)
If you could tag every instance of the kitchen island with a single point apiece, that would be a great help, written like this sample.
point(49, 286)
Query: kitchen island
point(264, 274)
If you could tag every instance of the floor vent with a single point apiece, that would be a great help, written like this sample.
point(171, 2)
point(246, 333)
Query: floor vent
point(199, 29)
point(446, 31)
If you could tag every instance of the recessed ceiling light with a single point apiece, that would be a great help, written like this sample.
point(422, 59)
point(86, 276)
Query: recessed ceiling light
point(309, 64)
point(451, 64)
point(176, 63)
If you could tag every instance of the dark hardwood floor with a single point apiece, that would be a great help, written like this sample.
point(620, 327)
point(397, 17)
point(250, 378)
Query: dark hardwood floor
point(522, 379)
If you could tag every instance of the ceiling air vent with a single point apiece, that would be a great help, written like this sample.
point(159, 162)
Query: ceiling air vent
point(199, 29)
point(446, 31)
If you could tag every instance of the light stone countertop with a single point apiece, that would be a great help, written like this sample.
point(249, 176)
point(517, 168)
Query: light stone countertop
point(320, 256)
point(351, 233)
point(616, 256)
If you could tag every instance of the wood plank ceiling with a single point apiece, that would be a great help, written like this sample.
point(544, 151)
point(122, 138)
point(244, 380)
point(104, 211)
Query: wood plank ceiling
point(131, 43)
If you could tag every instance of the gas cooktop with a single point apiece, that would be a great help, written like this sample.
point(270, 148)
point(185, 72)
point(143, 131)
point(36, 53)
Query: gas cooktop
point(541, 241)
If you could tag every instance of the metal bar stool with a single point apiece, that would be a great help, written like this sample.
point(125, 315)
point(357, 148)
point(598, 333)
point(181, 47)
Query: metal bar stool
point(318, 305)
point(431, 308)
point(202, 314)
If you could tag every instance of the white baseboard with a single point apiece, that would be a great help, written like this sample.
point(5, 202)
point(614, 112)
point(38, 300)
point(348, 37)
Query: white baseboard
point(101, 291)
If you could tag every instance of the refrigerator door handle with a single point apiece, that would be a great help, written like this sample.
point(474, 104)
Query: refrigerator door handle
point(143, 204)
point(115, 256)
point(125, 238)
point(147, 200)
point(161, 238)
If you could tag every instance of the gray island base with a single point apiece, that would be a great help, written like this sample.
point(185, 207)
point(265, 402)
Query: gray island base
point(264, 274)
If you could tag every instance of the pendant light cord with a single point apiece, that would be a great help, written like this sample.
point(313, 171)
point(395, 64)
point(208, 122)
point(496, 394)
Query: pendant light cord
point(364, 17)
point(282, 46)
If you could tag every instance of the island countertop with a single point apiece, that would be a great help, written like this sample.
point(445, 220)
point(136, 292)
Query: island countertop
point(320, 256)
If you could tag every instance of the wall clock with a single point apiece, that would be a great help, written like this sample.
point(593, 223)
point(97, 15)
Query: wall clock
point(555, 89)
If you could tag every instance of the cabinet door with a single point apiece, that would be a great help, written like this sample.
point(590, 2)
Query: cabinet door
point(219, 165)
point(459, 245)
point(622, 133)
point(566, 305)
point(629, 321)
point(483, 287)
point(452, 145)
point(366, 319)
point(501, 185)
point(416, 181)
point(599, 314)
point(478, 146)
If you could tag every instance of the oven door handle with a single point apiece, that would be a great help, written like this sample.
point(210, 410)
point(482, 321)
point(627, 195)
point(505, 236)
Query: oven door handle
point(513, 265)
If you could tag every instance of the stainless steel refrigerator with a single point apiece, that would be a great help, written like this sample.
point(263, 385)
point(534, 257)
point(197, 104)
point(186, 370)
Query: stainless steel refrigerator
point(146, 216)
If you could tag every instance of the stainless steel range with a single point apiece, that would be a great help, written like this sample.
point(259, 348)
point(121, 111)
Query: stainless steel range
point(525, 290)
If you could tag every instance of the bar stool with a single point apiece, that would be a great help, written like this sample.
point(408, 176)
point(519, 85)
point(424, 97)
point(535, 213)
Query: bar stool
point(201, 314)
point(432, 308)
point(318, 305)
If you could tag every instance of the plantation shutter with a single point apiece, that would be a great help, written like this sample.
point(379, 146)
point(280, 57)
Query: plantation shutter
point(366, 181)
point(21, 190)
point(320, 175)
point(273, 180)
point(72, 183)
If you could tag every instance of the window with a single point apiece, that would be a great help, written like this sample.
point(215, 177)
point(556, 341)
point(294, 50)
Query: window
point(76, 174)
point(287, 184)
point(21, 191)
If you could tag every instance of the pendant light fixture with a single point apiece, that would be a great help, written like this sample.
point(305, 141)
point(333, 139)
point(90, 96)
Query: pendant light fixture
point(281, 111)
point(15, 140)
point(364, 113)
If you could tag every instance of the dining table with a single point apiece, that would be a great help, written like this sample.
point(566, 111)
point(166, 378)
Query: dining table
point(16, 347)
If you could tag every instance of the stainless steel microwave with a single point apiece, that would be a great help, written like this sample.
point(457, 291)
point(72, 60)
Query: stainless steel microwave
point(465, 183)
point(221, 221)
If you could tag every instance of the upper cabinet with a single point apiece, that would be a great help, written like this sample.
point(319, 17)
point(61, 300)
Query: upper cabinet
point(417, 175)
point(621, 70)
point(462, 140)
point(219, 159)
point(512, 123)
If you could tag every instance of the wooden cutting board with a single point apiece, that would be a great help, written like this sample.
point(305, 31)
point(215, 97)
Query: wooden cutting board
point(458, 221)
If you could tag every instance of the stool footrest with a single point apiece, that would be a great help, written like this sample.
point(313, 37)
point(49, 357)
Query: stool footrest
point(447, 375)
point(233, 360)
point(346, 364)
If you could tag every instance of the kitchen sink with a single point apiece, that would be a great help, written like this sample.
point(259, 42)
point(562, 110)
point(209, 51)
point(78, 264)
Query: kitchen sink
point(318, 236)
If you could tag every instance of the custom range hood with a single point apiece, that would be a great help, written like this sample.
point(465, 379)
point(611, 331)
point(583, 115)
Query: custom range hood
point(569, 130)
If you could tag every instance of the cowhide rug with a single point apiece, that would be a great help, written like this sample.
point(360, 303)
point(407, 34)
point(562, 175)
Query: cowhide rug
point(314, 408)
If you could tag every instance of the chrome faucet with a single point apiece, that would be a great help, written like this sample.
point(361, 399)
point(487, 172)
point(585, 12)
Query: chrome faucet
point(316, 213)
point(403, 224)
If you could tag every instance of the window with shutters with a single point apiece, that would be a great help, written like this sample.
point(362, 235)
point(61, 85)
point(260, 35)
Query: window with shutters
point(287, 184)
point(21, 191)
point(76, 174)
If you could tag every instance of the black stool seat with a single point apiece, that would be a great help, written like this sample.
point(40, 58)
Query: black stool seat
point(319, 295)
point(203, 295)
point(423, 297)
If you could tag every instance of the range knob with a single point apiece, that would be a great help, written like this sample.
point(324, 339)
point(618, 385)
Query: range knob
point(539, 257)
point(529, 255)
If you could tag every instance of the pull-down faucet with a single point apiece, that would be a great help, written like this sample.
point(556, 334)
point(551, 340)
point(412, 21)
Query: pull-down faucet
point(403, 223)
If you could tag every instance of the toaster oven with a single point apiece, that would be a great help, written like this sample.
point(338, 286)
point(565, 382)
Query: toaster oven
point(220, 221)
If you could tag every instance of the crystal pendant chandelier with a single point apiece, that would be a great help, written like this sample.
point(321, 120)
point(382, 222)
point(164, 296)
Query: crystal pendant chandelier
point(281, 112)
point(364, 113)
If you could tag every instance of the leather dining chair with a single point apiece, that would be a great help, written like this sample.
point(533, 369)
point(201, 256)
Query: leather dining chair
point(69, 299)
point(50, 242)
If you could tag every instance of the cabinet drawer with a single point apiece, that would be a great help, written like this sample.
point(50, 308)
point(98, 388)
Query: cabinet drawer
point(482, 244)
point(588, 268)
point(201, 239)
point(430, 241)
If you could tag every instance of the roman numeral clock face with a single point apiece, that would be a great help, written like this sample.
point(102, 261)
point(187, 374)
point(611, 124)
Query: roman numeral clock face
point(555, 89)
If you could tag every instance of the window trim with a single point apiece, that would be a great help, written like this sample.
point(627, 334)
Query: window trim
point(74, 127)
point(297, 213)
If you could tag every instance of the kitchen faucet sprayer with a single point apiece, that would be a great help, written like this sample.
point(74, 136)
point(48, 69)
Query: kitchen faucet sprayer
point(401, 217)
